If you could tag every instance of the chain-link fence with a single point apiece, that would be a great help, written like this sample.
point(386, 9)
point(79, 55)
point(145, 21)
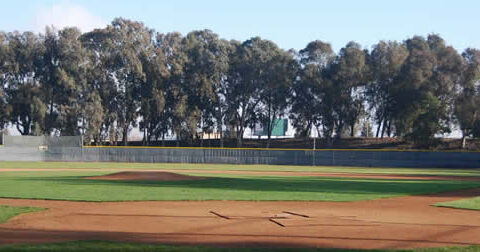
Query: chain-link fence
point(415, 159)
point(24, 148)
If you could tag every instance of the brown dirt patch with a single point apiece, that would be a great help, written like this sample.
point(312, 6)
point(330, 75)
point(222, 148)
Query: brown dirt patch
point(402, 222)
point(145, 176)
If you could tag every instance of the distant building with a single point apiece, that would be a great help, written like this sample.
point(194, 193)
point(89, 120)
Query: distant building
point(280, 128)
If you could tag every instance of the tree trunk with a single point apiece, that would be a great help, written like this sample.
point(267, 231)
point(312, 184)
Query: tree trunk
point(239, 132)
point(144, 142)
point(268, 141)
point(352, 130)
point(329, 138)
point(178, 139)
point(464, 140)
point(389, 128)
point(50, 120)
point(383, 129)
point(378, 128)
point(221, 139)
point(240, 138)
point(270, 122)
point(221, 135)
point(125, 135)
point(269, 133)
point(339, 129)
point(22, 132)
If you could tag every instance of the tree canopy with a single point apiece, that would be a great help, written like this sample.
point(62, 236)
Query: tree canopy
point(104, 83)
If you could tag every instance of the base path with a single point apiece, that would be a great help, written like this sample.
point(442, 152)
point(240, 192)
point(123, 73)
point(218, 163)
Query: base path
point(402, 222)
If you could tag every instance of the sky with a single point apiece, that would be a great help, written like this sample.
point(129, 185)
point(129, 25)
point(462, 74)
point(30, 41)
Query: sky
point(290, 24)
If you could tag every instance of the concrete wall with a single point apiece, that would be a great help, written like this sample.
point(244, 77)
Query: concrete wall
point(36, 141)
point(21, 154)
point(365, 158)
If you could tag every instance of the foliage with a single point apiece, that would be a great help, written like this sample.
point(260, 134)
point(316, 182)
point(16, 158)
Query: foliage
point(104, 83)
point(467, 102)
point(310, 101)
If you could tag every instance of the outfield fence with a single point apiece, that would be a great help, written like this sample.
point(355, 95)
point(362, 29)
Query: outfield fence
point(57, 149)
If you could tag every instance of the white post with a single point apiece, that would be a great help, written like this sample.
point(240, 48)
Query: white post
point(314, 145)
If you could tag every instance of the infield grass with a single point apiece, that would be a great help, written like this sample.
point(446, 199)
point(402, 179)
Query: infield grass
point(8, 212)
point(470, 204)
point(71, 185)
point(231, 167)
point(81, 246)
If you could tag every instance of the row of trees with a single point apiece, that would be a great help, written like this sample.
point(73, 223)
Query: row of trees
point(104, 83)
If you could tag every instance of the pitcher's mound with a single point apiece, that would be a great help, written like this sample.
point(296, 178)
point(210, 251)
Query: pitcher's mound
point(145, 176)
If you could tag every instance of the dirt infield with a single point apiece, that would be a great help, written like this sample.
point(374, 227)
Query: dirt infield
point(146, 176)
point(269, 173)
point(402, 222)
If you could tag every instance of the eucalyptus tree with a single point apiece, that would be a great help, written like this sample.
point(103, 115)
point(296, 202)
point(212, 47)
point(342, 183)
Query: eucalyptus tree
point(131, 42)
point(175, 110)
point(348, 75)
point(251, 84)
point(50, 76)
point(423, 99)
point(24, 93)
point(94, 109)
point(102, 87)
point(205, 69)
point(62, 73)
point(447, 74)
point(385, 61)
point(124, 43)
point(414, 80)
point(244, 86)
point(279, 75)
point(92, 118)
point(467, 102)
point(153, 97)
point(3, 84)
point(71, 77)
point(94, 85)
point(103, 83)
point(219, 105)
point(308, 96)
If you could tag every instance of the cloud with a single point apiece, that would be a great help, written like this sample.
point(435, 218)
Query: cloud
point(66, 14)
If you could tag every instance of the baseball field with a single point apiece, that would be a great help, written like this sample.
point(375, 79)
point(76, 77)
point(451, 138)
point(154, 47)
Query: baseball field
point(55, 206)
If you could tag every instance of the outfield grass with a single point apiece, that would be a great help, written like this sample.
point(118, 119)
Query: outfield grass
point(231, 167)
point(81, 246)
point(71, 185)
point(470, 203)
point(8, 212)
